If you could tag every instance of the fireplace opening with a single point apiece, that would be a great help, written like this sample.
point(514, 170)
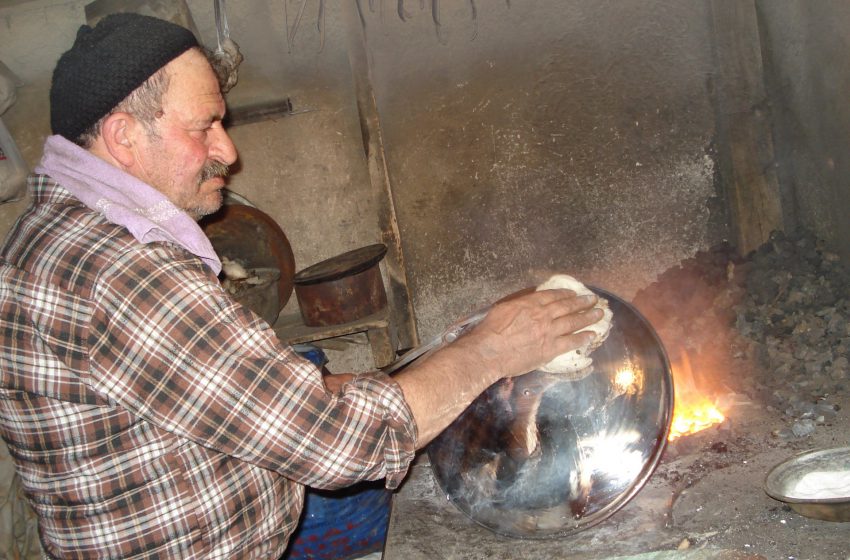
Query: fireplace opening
point(769, 328)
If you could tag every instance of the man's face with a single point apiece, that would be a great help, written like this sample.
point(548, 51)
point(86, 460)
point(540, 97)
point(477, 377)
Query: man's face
point(188, 156)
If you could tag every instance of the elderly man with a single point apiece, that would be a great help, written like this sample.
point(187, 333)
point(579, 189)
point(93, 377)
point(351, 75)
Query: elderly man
point(149, 415)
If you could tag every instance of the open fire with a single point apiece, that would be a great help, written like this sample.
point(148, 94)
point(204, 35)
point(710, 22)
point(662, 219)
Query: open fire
point(694, 409)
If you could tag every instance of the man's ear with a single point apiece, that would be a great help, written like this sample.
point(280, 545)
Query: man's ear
point(117, 132)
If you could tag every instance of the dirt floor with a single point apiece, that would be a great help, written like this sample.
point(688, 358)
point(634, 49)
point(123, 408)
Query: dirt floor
point(705, 500)
point(769, 336)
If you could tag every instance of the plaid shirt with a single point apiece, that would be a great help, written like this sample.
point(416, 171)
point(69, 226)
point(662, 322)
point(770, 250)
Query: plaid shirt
point(152, 416)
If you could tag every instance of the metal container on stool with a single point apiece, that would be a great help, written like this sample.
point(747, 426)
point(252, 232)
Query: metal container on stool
point(343, 288)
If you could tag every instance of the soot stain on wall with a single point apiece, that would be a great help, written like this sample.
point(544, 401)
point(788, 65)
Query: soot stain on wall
point(563, 138)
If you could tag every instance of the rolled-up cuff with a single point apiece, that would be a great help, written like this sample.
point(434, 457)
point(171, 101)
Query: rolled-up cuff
point(400, 447)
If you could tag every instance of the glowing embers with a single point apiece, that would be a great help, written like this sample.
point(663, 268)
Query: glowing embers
point(694, 406)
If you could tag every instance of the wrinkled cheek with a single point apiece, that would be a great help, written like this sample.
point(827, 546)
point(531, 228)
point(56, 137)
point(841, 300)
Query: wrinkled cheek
point(191, 170)
point(197, 161)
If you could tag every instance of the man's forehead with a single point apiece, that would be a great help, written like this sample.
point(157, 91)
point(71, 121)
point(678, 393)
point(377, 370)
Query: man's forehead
point(192, 79)
point(190, 61)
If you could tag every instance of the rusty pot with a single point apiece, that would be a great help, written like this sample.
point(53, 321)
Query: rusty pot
point(249, 236)
point(343, 288)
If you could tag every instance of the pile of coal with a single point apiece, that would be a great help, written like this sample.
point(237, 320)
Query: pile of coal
point(795, 318)
point(774, 324)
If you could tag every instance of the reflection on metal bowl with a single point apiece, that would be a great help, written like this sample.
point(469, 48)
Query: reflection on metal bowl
point(540, 456)
point(814, 483)
point(251, 237)
point(258, 292)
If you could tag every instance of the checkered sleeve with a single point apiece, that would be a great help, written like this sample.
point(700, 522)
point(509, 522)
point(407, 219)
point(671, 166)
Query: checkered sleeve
point(170, 345)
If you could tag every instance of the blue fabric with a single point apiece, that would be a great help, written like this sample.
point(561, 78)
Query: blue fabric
point(342, 524)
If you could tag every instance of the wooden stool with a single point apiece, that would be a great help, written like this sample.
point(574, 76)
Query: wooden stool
point(292, 330)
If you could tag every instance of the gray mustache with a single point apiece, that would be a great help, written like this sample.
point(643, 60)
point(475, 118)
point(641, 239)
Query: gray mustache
point(214, 169)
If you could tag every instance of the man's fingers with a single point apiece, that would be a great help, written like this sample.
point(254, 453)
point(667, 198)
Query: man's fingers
point(546, 297)
point(568, 306)
point(575, 340)
point(575, 321)
point(520, 333)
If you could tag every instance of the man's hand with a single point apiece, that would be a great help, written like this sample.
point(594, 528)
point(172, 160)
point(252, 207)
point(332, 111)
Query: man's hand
point(334, 382)
point(522, 333)
point(519, 334)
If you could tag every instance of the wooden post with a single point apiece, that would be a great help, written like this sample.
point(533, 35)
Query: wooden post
point(745, 142)
point(398, 295)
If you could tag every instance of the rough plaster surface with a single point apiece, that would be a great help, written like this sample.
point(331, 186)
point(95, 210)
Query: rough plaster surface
point(535, 137)
point(306, 169)
point(569, 138)
point(532, 138)
point(32, 36)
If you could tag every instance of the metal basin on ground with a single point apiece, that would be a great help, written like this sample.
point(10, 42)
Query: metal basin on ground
point(814, 483)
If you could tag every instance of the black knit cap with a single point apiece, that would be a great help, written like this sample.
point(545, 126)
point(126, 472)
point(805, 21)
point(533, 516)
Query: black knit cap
point(108, 62)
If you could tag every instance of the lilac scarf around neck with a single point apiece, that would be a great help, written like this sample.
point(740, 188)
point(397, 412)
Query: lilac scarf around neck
point(123, 199)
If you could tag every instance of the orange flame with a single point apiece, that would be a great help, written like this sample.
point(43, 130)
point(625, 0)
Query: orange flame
point(693, 409)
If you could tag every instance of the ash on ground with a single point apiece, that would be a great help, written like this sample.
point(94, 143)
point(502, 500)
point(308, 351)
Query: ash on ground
point(774, 326)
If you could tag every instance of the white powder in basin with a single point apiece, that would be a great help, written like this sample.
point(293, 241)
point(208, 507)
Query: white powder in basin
point(822, 485)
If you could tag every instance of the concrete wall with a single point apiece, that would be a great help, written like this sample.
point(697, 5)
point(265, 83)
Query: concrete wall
point(805, 49)
point(524, 138)
point(545, 136)
point(305, 169)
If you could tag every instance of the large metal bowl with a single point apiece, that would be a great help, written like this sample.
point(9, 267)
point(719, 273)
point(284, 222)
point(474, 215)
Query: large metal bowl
point(246, 234)
point(787, 482)
point(540, 456)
